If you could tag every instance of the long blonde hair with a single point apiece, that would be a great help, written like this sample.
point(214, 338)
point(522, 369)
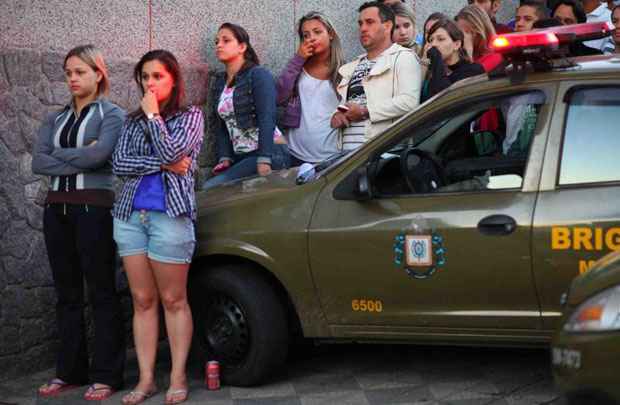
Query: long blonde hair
point(336, 56)
point(482, 27)
point(93, 57)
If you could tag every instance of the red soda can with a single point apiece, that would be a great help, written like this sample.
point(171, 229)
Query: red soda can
point(213, 375)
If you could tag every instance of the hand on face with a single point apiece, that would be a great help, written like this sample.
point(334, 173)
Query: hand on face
point(306, 49)
point(149, 103)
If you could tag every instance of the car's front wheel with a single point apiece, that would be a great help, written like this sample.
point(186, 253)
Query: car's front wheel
point(240, 322)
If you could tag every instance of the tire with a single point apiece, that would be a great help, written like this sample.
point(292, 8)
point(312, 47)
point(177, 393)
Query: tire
point(240, 322)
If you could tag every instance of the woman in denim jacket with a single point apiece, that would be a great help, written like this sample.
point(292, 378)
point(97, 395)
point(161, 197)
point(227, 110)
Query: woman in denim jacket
point(247, 139)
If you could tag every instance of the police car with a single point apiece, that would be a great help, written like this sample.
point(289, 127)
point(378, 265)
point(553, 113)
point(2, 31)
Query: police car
point(463, 223)
point(585, 351)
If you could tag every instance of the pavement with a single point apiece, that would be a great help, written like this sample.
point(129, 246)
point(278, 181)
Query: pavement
point(355, 374)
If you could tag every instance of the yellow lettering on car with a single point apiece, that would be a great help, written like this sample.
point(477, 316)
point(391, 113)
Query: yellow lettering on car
point(560, 238)
point(366, 305)
point(585, 238)
point(582, 238)
point(585, 265)
point(611, 239)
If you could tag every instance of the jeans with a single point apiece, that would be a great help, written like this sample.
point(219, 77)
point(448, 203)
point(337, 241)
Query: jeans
point(245, 166)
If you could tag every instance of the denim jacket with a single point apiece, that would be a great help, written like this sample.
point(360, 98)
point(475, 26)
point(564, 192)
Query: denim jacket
point(254, 102)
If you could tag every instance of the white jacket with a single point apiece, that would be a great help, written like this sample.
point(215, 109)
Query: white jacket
point(392, 87)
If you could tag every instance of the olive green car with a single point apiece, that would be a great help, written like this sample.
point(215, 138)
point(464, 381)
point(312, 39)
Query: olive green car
point(438, 231)
point(586, 348)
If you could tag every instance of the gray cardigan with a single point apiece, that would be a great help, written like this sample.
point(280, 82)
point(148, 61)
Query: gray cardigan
point(88, 165)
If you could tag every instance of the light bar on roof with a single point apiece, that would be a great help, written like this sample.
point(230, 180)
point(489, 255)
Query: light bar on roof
point(550, 38)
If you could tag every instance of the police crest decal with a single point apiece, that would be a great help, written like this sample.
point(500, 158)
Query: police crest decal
point(419, 250)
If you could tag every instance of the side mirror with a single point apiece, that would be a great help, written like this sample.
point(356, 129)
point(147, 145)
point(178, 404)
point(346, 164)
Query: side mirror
point(356, 186)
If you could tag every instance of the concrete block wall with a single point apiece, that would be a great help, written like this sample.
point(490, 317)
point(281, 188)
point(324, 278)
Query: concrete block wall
point(34, 36)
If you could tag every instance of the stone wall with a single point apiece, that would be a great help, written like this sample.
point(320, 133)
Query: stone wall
point(34, 36)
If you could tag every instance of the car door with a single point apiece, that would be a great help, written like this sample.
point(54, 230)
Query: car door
point(577, 219)
point(472, 269)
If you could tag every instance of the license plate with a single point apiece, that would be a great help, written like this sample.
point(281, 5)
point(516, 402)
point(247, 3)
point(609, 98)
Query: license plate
point(566, 358)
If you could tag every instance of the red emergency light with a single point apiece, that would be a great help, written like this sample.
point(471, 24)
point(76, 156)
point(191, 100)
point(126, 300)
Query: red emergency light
point(549, 39)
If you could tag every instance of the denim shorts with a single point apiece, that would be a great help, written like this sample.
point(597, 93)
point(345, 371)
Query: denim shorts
point(160, 237)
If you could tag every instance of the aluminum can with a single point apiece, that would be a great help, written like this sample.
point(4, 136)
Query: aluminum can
point(213, 375)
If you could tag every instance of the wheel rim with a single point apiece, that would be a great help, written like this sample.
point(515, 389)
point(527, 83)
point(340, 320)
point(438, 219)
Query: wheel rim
point(226, 330)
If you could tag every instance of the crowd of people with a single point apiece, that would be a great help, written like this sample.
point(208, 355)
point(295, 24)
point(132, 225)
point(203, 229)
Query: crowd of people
point(318, 106)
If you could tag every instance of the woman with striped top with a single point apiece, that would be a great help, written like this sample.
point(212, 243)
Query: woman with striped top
point(74, 148)
point(156, 158)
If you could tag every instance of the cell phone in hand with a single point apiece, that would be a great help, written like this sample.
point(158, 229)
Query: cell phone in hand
point(342, 108)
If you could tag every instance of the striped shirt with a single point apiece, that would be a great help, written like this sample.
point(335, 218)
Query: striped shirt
point(145, 145)
point(354, 135)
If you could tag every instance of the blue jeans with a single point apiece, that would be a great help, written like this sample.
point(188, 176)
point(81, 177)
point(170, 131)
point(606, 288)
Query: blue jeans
point(245, 166)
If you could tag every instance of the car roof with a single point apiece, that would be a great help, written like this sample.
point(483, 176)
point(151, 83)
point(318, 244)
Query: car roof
point(583, 67)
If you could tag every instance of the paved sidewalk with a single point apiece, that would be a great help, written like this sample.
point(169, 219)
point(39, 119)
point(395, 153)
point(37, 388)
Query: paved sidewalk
point(358, 374)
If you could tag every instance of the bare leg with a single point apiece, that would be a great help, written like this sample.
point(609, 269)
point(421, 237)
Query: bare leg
point(172, 284)
point(145, 317)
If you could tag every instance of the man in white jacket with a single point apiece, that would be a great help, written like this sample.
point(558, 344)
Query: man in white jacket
point(380, 86)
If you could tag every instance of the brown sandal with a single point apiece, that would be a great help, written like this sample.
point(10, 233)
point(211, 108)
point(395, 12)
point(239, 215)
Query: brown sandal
point(176, 396)
point(137, 397)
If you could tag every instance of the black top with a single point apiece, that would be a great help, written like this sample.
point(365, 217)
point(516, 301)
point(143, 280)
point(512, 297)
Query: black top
point(440, 80)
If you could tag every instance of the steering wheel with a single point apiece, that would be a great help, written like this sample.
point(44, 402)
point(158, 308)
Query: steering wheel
point(423, 171)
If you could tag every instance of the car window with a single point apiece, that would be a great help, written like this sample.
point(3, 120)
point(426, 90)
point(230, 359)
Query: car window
point(479, 146)
point(591, 141)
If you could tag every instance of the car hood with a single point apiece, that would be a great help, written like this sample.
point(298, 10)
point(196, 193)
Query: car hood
point(250, 187)
point(604, 274)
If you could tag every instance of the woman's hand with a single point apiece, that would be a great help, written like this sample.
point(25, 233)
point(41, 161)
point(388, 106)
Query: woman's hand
point(180, 167)
point(220, 167)
point(427, 46)
point(306, 49)
point(263, 169)
point(149, 103)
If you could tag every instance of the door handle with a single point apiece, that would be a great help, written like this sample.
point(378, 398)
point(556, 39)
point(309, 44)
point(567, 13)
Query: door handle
point(497, 225)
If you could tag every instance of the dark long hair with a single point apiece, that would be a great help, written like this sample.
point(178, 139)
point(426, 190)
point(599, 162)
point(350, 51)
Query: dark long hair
point(176, 101)
point(242, 36)
point(433, 17)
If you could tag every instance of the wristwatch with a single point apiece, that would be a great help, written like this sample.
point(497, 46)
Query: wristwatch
point(150, 116)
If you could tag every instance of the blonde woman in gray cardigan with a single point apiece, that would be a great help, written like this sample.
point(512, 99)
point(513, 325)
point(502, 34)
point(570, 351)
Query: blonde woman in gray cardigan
point(74, 148)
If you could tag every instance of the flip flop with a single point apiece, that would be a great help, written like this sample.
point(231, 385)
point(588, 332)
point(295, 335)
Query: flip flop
point(98, 393)
point(46, 389)
point(137, 397)
point(171, 396)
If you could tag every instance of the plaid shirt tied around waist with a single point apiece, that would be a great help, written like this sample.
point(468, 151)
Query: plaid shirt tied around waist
point(145, 145)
